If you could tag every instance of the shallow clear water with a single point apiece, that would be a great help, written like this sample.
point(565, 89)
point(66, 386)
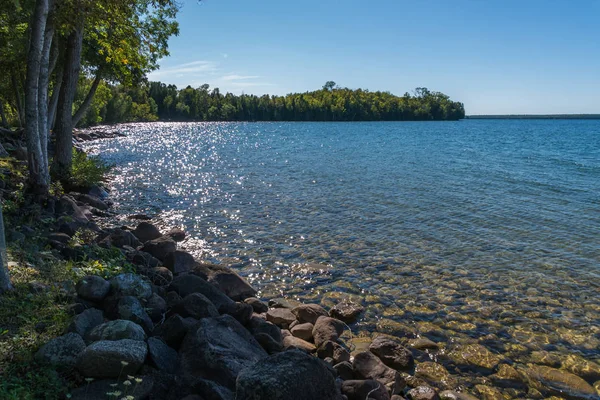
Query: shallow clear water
point(477, 231)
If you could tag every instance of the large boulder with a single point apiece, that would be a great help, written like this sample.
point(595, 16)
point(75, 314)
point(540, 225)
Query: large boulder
point(131, 285)
point(145, 231)
point(117, 330)
point(161, 355)
point(392, 353)
point(240, 311)
point(257, 325)
point(90, 200)
point(196, 305)
point(84, 322)
point(160, 248)
point(327, 328)
point(188, 284)
point(172, 331)
point(364, 389)
point(111, 359)
point(93, 288)
point(156, 307)
point(232, 284)
point(120, 238)
point(217, 350)
point(367, 366)
point(61, 351)
point(291, 375)
point(309, 312)
point(180, 262)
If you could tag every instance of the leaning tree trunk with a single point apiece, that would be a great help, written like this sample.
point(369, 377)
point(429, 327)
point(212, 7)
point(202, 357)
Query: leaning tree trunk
point(54, 98)
point(88, 99)
point(38, 171)
point(4, 277)
point(63, 129)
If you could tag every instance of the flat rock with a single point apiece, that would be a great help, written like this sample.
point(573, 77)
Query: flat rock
point(281, 317)
point(327, 328)
point(162, 356)
point(117, 330)
point(111, 359)
point(93, 288)
point(61, 351)
point(392, 353)
point(297, 343)
point(217, 350)
point(277, 378)
point(281, 302)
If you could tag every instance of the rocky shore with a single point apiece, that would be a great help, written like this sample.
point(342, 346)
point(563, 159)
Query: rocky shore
point(178, 328)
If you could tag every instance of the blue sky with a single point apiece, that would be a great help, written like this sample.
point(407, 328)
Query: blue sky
point(497, 57)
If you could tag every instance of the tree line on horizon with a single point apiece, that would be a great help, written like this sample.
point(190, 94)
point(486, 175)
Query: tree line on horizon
point(154, 101)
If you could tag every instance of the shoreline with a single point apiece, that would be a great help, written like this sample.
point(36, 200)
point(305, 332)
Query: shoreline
point(370, 368)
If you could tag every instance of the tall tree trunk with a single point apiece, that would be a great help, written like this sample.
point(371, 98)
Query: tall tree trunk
point(3, 115)
point(88, 99)
point(44, 78)
point(4, 277)
point(15, 85)
point(38, 176)
point(61, 168)
point(54, 98)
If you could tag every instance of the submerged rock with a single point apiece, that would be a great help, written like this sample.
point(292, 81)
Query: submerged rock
point(291, 375)
point(559, 382)
point(436, 375)
point(346, 311)
point(367, 366)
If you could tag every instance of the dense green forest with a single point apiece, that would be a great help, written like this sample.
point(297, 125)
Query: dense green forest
point(158, 101)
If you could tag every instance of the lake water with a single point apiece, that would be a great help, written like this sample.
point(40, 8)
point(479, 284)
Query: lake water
point(477, 232)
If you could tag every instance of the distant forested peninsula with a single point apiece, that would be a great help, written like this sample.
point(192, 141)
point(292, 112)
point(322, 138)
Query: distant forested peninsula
point(535, 116)
point(156, 101)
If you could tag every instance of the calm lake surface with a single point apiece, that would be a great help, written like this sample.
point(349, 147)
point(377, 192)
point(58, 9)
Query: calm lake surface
point(473, 232)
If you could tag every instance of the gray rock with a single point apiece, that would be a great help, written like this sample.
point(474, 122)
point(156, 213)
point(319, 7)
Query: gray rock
point(131, 309)
point(423, 393)
point(90, 200)
point(162, 356)
point(334, 350)
point(146, 260)
point(268, 343)
point(233, 285)
point(188, 284)
point(240, 311)
point(131, 285)
point(156, 307)
point(309, 312)
point(117, 330)
point(258, 325)
point(303, 331)
point(291, 375)
point(281, 317)
point(179, 262)
point(257, 305)
point(160, 248)
point(93, 288)
point(111, 359)
point(196, 305)
point(346, 311)
point(327, 328)
point(83, 323)
point(145, 231)
point(172, 331)
point(364, 390)
point(176, 234)
point(61, 351)
point(120, 238)
point(392, 353)
point(218, 349)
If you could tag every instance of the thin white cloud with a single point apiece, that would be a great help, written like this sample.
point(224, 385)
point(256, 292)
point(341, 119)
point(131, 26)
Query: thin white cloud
point(192, 68)
point(224, 55)
point(234, 77)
